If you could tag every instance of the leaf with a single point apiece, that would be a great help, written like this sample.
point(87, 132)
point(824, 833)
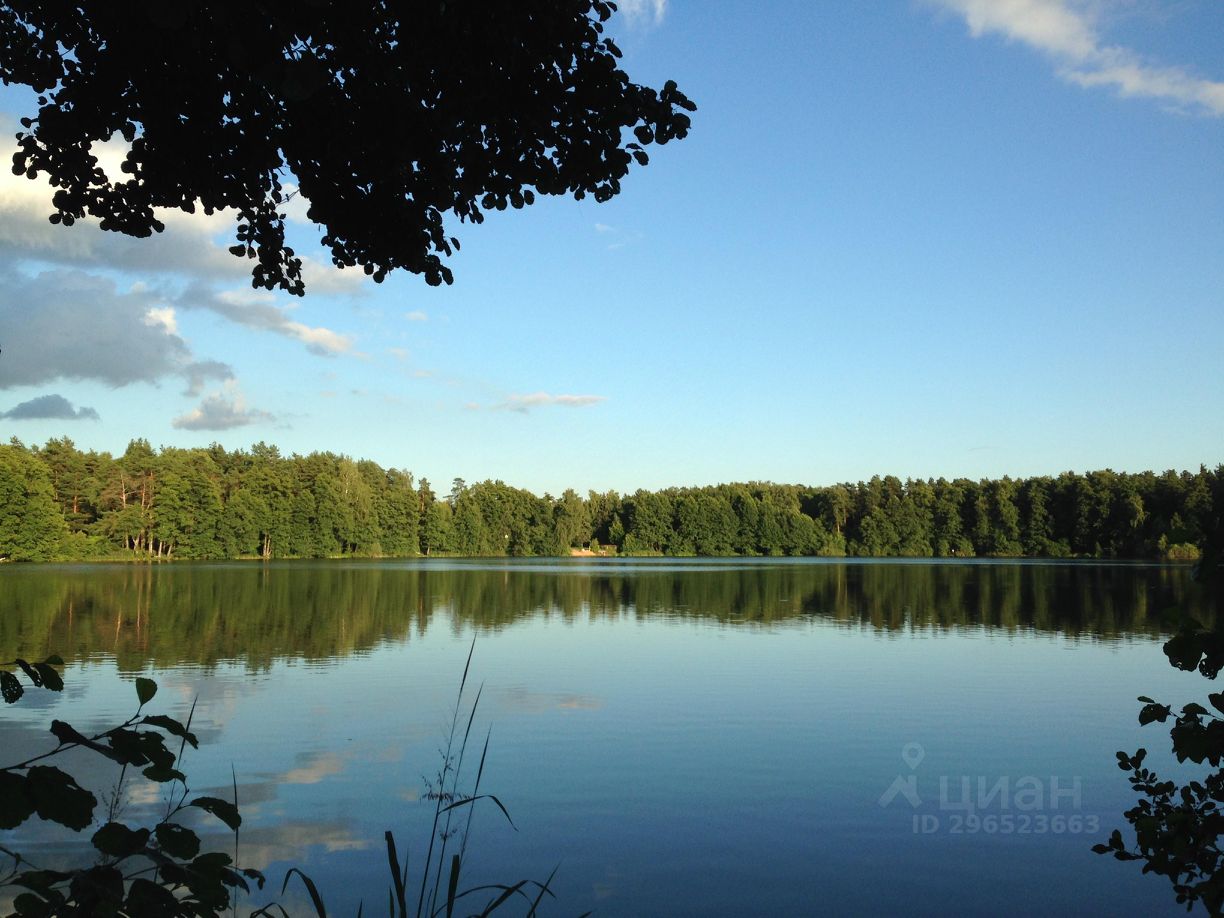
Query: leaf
point(10, 687)
point(468, 801)
point(54, 660)
point(393, 863)
point(1217, 700)
point(222, 809)
point(148, 898)
point(15, 805)
point(164, 773)
point(127, 747)
point(172, 726)
point(66, 733)
point(212, 862)
point(41, 881)
point(145, 689)
point(178, 841)
point(30, 671)
point(58, 798)
point(1153, 712)
point(98, 891)
point(119, 841)
point(507, 892)
point(28, 905)
point(51, 680)
point(452, 886)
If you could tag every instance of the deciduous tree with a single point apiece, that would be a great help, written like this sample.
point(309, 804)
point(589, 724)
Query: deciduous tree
point(388, 115)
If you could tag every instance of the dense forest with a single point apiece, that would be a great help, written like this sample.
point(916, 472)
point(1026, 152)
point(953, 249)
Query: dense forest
point(59, 503)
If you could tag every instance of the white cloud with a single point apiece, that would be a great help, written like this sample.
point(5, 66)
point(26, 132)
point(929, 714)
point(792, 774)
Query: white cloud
point(604, 228)
point(399, 353)
point(524, 403)
point(163, 316)
point(296, 206)
point(643, 12)
point(258, 309)
point(68, 312)
point(222, 410)
point(1067, 31)
point(416, 315)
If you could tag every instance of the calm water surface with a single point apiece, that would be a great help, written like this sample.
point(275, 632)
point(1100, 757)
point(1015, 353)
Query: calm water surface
point(682, 738)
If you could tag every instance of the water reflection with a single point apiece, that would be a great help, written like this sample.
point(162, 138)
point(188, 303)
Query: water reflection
point(206, 613)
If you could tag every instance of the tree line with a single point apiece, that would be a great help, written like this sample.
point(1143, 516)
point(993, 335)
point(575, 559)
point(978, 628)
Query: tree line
point(60, 503)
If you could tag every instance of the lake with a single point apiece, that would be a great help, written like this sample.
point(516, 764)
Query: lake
point(727, 736)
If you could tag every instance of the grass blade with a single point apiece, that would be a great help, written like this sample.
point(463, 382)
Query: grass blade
point(506, 894)
point(468, 801)
point(320, 910)
point(452, 886)
point(543, 891)
point(396, 876)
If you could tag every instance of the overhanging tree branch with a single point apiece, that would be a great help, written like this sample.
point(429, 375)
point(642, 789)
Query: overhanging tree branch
point(388, 115)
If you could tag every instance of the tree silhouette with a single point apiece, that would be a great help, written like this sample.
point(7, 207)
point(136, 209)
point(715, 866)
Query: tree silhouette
point(387, 115)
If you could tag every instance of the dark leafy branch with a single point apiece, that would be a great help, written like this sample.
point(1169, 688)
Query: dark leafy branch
point(389, 116)
point(1178, 827)
point(143, 871)
point(160, 871)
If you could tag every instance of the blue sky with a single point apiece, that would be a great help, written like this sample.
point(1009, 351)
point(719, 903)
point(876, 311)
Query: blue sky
point(956, 237)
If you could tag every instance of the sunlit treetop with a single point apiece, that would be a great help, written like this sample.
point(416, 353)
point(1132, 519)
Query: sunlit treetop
point(387, 115)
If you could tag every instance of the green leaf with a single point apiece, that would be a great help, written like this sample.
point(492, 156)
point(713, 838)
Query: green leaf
point(10, 687)
point(98, 891)
point(28, 905)
point(66, 733)
point(30, 671)
point(163, 774)
point(128, 747)
point(42, 881)
point(1217, 700)
point(51, 680)
point(178, 841)
point(15, 805)
point(172, 726)
point(58, 798)
point(119, 841)
point(145, 689)
point(212, 862)
point(1194, 708)
point(1153, 712)
point(148, 898)
point(222, 809)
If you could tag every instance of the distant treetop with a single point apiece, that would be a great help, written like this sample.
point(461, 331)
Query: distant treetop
point(387, 115)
